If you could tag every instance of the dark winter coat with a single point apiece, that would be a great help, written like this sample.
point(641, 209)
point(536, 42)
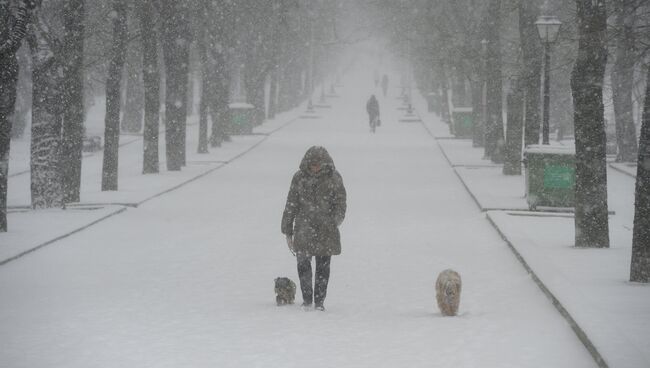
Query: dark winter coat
point(372, 106)
point(315, 206)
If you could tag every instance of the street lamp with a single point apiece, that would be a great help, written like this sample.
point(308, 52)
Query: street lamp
point(547, 27)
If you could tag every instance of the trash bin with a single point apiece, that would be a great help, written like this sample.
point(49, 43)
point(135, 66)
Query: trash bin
point(463, 123)
point(550, 176)
point(241, 118)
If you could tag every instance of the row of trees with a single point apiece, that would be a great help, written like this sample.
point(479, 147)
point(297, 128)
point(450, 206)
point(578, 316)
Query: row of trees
point(464, 46)
point(152, 51)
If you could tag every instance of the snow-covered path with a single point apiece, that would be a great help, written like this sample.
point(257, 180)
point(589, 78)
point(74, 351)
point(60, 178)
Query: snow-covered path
point(186, 280)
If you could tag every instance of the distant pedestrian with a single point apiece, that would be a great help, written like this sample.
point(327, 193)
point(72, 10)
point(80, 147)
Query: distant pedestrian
point(384, 84)
point(314, 210)
point(372, 107)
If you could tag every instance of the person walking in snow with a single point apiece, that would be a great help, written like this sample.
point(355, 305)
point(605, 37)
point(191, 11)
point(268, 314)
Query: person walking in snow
point(372, 107)
point(315, 208)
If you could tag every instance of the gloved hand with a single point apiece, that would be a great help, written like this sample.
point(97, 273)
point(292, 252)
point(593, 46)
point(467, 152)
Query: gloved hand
point(290, 244)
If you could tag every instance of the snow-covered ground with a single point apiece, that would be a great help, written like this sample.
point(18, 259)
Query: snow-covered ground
point(186, 278)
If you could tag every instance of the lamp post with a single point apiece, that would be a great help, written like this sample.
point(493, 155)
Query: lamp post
point(547, 27)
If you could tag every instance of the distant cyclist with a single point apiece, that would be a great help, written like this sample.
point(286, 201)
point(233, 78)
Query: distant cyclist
point(372, 106)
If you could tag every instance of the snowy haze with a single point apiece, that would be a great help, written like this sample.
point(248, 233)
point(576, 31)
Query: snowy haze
point(187, 279)
point(177, 268)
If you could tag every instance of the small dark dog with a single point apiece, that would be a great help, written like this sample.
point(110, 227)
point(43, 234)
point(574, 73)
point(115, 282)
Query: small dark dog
point(285, 291)
point(448, 288)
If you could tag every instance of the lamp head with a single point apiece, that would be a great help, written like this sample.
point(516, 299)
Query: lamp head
point(548, 27)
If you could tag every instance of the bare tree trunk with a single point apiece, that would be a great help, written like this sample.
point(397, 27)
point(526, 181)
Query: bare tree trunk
point(259, 101)
point(175, 42)
point(298, 88)
point(151, 81)
point(255, 93)
point(287, 93)
point(591, 222)
point(434, 87)
point(273, 93)
point(218, 71)
point(12, 31)
point(532, 68)
point(47, 120)
point(190, 84)
point(113, 94)
point(445, 115)
point(290, 80)
point(134, 101)
point(8, 82)
point(640, 266)
point(23, 94)
point(459, 90)
point(219, 100)
point(623, 81)
point(203, 120)
point(514, 136)
point(478, 134)
point(73, 49)
point(205, 90)
point(494, 141)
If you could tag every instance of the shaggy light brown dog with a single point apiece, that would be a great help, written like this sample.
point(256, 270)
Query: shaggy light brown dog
point(285, 291)
point(448, 288)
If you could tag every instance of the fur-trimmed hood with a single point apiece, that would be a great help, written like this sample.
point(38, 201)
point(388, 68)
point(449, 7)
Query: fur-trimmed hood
point(317, 154)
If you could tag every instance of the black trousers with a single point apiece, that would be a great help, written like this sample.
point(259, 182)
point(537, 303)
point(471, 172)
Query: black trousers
point(318, 293)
